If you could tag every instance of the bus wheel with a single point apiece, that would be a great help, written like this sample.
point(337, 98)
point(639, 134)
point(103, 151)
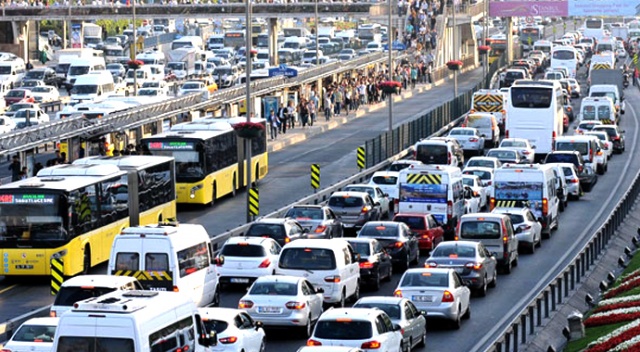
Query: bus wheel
point(86, 263)
point(234, 187)
point(213, 196)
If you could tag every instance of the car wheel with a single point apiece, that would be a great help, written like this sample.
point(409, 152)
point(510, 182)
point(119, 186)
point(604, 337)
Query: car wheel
point(482, 291)
point(494, 282)
point(341, 303)
point(588, 187)
point(561, 206)
point(423, 339)
point(507, 268)
point(456, 323)
point(405, 347)
point(216, 298)
point(308, 328)
point(356, 294)
point(515, 260)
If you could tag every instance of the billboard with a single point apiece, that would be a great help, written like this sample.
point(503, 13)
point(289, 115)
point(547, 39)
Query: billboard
point(524, 8)
point(563, 8)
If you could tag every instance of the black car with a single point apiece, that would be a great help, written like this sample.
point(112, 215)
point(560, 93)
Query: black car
point(282, 231)
point(45, 74)
point(396, 238)
point(587, 175)
point(615, 135)
point(375, 262)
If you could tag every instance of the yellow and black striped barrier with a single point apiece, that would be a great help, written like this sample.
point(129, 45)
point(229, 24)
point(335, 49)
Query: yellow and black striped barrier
point(254, 201)
point(427, 179)
point(488, 103)
point(635, 60)
point(361, 159)
point(315, 176)
point(57, 276)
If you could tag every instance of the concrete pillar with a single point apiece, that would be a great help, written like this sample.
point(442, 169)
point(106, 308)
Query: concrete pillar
point(24, 41)
point(510, 48)
point(273, 41)
point(64, 34)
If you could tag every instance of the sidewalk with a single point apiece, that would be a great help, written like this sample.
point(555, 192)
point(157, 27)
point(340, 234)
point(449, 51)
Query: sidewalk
point(297, 135)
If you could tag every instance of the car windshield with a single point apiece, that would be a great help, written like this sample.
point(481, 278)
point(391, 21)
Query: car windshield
point(274, 288)
point(343, 329)
point(275, 231)
point(425, 279)
point(454, 251)
point(468, 181)
point(78, 70)
point(243, 250)
point(583, 148)
point(610, 131)
point(484, 175)
point(345, 201)
point(148, 92)
point(461, 132)
point(114, 67)
point(305, 213)
point(16, 94)
point(368, 190)
point(307, 259)
point(41, 89)
point(35, 333)
point(414, 222)
point(560, 158)
point(191, 86)
point(392, 310)
point(480, 229)
point(222, 71)
point(85, 89)
point(587, 126)
point(502, 154)
point(376, 231)
point(481, 163)
point(34, 75)
point(362, 248)
point(385, 180)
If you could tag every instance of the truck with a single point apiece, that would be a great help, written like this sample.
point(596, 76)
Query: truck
point(610, 76)
point(91, 34)
point(325, 31)
point(182, 61)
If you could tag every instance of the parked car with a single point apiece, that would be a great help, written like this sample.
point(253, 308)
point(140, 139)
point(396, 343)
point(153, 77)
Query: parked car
point(319, 220)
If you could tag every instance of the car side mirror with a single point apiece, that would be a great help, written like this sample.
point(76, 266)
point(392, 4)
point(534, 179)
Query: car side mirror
point(385, 194)
point(397, 327)
point(219, 260)
point(355, 258)
point(518, 230)
point(423, 313)
point(258, 325)
point(319, 290)
point(533, 147)
point(376, 204)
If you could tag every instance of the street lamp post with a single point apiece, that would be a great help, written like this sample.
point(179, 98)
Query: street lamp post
point(455, 50)
point(485, 30)
point(317, 36)
point(135, 46)
point(247, 104)
point(390, 64)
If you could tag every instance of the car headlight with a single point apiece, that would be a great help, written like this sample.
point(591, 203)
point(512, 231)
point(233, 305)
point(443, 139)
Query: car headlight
point(194, 189)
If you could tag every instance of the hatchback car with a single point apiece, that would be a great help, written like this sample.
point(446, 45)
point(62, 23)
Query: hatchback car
point(484, 161)
point(354, 208)
point(376, 193)
point(319, 220)
point(283, 301)
point(396, 238)
point(616, 136)
point(505, 155)
point(606, 143)
point(281, 230)
point(369, 329)
point(389, 183)
point(375, 263)
point(522, 145)
point(469, 139)
point(588, 176)
point(402, 312)
point(574, 191)
point(528, 230)
point(35, 334)
point(438, 291)
point(471, 260)
point(247, 258)
point(586, 125)
point(475, 184)
point(425, 227)
point(234, 328)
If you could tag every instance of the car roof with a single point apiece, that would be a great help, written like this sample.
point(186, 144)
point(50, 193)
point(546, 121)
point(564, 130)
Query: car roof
point(478, 168)
point(359, 313)
point(427, 270)
point(280, 278)
point(490, 158)
point(416, 215)
point(360, 185)
point(49, 321)
point(334, 243)
point(248, 240)
point(515, 139)
point(270, 221)
point(381, 299)
point(382, 223)
point(219, 313)
point(360, 239)
point(101, 280)
point(459, 243)
point(476, 216)
point(509, 210)
point(386, 173)
point(350, 193)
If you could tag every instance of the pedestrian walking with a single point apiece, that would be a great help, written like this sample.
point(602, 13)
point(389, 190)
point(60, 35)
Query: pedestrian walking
point(274, 124)
point(15, 168)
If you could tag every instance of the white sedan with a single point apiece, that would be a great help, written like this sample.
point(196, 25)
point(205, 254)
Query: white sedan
point(6, 124)
point(43, 94)
point(475, 183)
point(286, 301)
point(522, 145)
point(469, 139)
point(235, 329)
point(35, 334)
point(192, 87)
point(439, 292)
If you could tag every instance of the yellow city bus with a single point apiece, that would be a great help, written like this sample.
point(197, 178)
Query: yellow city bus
point(73, 212)
point(209, 158)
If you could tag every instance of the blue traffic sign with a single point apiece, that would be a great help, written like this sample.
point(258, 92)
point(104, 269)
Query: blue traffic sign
point(283, 70)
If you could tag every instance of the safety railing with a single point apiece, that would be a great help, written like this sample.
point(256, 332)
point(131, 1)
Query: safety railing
point(523, 326)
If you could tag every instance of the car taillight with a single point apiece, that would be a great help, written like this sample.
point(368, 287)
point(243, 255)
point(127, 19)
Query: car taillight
point(397, 293)
point(366, 265)
point(599, 153)
point(574, 180)
point(449, 157)
point(312, 342)
point(474, 266)
point(526, 152)
point(449, 210)
point(244, 304)
point(473, 139)
point(545, 206)
point(52, 314)
point(295, 305)
point(525, 227)
point(265, 263)
point(616, 138)
point(447, 296)
point(287, 240)
point(370, 345)
point(320, 229)
point(365, 209)
point(333, 279)
point(398, 244)
point(492, 203)
point(430, 265)
point(228, 340)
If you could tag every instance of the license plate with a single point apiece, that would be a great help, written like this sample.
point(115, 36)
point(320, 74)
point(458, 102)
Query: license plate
point(269, 310)
point(24, 266)
point(239, 281)
point(422, 298)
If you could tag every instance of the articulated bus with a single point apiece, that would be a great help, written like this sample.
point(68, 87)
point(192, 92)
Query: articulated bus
point(209, 158)
point(73, 212)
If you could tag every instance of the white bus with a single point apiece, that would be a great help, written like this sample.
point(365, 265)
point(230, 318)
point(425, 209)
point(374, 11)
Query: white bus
point(536, 113)
point(565, 56)
point(594, 28)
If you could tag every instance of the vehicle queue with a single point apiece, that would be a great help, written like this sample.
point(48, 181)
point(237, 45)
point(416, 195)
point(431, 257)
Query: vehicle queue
point(469, 227)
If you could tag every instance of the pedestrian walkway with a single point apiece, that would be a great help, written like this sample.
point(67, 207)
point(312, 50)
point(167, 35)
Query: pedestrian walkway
point(443, 89)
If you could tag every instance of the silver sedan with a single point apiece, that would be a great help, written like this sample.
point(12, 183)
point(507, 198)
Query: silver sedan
point(469, 138)
point(318, 219)
point(285, 301)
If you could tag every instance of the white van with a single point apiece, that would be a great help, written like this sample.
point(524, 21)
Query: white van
point(12, 71)
point(532, 185)
point(83, 66)
point(295, 43)
point(92, 87)
point(188, 41)
point(598, 109)
point(433, 189)
point(87, 286)
point(495, 232)
point(151, 57)
point(143, 74)
point(611, 91)
point(330, 264)
point(168, 257)
point(133, 321)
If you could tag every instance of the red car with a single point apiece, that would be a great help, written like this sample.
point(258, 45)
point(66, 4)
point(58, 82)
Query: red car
point(426, 228)
point(18, 95)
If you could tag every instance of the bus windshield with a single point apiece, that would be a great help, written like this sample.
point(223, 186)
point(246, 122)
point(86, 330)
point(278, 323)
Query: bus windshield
point(29, 219)
point(188, 161)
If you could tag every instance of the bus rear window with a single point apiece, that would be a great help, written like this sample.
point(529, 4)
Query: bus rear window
point(531, 97)
point(156, 262)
